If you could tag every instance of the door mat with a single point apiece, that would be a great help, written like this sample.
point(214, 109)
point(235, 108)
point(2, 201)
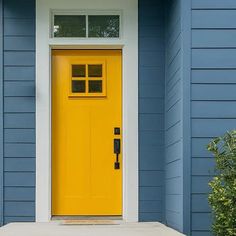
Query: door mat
point(89, 222)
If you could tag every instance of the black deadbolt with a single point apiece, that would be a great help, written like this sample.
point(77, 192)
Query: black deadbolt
point(116, 131)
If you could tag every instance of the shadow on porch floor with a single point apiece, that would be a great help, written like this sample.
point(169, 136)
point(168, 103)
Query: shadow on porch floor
point(58, 229)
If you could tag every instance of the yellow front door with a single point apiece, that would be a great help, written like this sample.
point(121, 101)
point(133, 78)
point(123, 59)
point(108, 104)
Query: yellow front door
point(86, 131)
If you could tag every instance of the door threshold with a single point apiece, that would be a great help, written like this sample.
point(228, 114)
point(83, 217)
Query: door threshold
point(58, 218)
point(88, 220)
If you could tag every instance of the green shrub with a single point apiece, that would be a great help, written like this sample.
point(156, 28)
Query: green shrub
point(223, 195)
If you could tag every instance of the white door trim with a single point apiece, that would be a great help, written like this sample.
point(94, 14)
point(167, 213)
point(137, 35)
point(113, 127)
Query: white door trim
point(128, 42)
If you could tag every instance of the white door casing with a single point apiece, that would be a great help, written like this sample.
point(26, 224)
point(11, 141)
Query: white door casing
point(128, 42)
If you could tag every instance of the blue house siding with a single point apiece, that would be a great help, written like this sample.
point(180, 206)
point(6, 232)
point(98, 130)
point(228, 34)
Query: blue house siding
point(151, 110)
point(19, 110)
point(161, 113)
point(1, 113)
point(213, 97)
point(173, 117)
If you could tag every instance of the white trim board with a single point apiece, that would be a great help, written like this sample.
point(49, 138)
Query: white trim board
point(128, 42)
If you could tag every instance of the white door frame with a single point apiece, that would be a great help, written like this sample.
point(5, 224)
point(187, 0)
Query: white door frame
point(128, 42)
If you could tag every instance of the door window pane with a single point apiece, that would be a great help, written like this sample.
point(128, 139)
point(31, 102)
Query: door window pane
point(103, 26)
point(78, 86)
point(95, 86)
point(95, 70)
point(69, 26)
point(78, 70)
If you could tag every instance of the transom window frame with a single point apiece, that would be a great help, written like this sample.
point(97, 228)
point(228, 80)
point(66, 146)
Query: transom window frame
point(87, 13)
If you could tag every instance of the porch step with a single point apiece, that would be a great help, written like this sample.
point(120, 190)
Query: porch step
point(55, 228)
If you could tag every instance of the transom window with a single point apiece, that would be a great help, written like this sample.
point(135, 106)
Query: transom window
point(88, 80)
point(86, 25)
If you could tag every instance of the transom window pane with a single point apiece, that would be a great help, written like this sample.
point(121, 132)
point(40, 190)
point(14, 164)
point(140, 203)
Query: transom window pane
point(69, 26)
point(95, 70)
point(103, 26)
point(86, 26)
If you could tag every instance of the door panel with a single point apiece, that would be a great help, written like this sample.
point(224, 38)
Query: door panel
point(86, 107)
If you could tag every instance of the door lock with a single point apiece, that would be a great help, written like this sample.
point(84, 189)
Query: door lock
point(117, 131)
point(117, 152)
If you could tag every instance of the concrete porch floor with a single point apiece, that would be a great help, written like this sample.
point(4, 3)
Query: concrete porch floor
point(57, 229)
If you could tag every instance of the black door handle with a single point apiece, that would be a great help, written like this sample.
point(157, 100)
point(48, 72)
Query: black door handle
point(117, 152)
point(117, 146)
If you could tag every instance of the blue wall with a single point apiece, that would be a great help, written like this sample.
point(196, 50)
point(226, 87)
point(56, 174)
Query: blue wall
point(173, 117)
point(1, 113)
point(19, 110)
point(213, 94)
point(151, 110)
point(161, 95)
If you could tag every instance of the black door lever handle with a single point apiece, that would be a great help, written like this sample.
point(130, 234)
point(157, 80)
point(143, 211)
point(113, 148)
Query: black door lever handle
point(117, 152)
point(117, 146)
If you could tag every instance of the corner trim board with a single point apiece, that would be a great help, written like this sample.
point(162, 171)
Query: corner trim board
point(186, 112)
point(1, 116)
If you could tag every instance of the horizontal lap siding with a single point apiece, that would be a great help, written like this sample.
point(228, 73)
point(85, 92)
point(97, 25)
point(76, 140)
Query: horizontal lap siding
point(151, 110)
point(173, 118)
point(213, 95)
point(213, 4)
point(19, 110)
point(1, 116)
